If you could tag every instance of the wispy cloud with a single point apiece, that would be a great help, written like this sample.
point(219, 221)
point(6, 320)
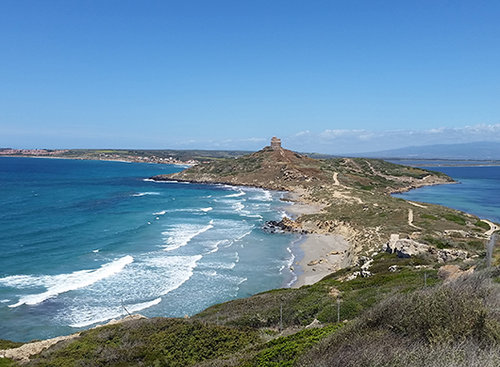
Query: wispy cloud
point(363, 140)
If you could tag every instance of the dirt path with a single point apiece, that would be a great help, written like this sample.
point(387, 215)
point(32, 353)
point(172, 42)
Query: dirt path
point(417, 204)
point(493, 227)
point(410, 219)
point(336, 179)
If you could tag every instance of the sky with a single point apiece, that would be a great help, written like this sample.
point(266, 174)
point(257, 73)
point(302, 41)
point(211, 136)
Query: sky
point(330, 76)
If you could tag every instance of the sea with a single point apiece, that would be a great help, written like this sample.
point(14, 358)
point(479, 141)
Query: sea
point(83, 242)
point(477, 190)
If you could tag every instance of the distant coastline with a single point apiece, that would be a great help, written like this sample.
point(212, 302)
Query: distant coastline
point(173, 162)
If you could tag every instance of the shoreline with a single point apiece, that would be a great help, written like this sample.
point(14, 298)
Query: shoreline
point(98, 160)
point(318, 255)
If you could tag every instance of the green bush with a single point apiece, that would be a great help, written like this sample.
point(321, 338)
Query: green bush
point(455, 218)
point(153, 342)
point(428, 216)
point(482, 225)
point(284, 351)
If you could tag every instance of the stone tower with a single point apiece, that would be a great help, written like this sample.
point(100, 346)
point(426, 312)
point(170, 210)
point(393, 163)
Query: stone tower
point(275, 143)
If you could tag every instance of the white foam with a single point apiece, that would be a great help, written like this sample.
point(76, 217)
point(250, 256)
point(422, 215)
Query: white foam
point(62, 283)
point(115, 312)
point(160, 213)
point(215, 246)
point(210, 273)
point(141, 285)
point(238, 206)
point(240, 237)
point(182, 234)
point(5, 301)
point(206, 209)
point(95, 251)
point(236, 195)
point(146, 193)
point(266, 196)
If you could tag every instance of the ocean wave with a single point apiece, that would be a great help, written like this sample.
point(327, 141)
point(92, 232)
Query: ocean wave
point(216, 244)
point(265, 196)
point(186, 210)
point(112, 313)
point(146, 193)
point(236, 195)
point(240, 237)
point(182, 234)
point(140, 286)
point(62, 283)
point(166, 181)
point(238, 206)
point(160, 213)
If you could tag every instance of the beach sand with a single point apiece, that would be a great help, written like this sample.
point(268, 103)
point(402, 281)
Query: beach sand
point(323, 254)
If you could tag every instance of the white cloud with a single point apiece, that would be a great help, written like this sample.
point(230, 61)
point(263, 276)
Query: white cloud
point(337, 141)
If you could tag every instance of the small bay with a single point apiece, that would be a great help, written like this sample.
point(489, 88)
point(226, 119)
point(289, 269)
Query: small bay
point(477, 191)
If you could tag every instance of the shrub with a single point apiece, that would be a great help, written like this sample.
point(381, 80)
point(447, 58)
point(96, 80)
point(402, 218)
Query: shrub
point(448, 325)
point(455, 218)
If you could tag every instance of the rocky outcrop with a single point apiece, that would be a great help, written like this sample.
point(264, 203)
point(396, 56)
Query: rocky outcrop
point(284, 225)
point(450, 273)
point(405, 248)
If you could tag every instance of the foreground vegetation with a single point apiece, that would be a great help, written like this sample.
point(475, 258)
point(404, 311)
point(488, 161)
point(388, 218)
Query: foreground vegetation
point(407, 317)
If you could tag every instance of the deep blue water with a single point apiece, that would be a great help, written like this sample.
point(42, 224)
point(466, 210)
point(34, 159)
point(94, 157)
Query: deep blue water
point(477, 191)
point(82, 240)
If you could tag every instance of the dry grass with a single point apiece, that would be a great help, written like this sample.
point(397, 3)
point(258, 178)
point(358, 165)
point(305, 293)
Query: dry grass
point(449, 325)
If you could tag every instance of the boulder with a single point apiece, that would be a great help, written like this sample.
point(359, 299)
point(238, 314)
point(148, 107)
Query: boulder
point(405, 248)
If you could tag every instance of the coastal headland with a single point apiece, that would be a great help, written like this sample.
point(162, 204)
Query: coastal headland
point(345, 207)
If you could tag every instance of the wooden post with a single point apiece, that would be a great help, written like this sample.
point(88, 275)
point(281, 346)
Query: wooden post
point(489, 249)
point(338, 309)
point(281, 317)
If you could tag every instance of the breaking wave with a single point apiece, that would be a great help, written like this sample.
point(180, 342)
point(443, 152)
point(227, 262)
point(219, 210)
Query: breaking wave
point(62, 283)
point(180, 235)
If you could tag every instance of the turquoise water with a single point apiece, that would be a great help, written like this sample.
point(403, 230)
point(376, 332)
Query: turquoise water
point(82, 241)
point(477, 191)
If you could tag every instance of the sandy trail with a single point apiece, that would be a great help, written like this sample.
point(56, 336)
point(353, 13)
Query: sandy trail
point(417, 204)
point(336, 179)
point(410, 219)
point(493, 227)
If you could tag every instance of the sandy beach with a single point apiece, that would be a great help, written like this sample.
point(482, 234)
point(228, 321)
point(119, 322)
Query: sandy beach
point(322, 253)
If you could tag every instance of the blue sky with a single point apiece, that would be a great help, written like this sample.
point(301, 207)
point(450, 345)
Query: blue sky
point(327, 76)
